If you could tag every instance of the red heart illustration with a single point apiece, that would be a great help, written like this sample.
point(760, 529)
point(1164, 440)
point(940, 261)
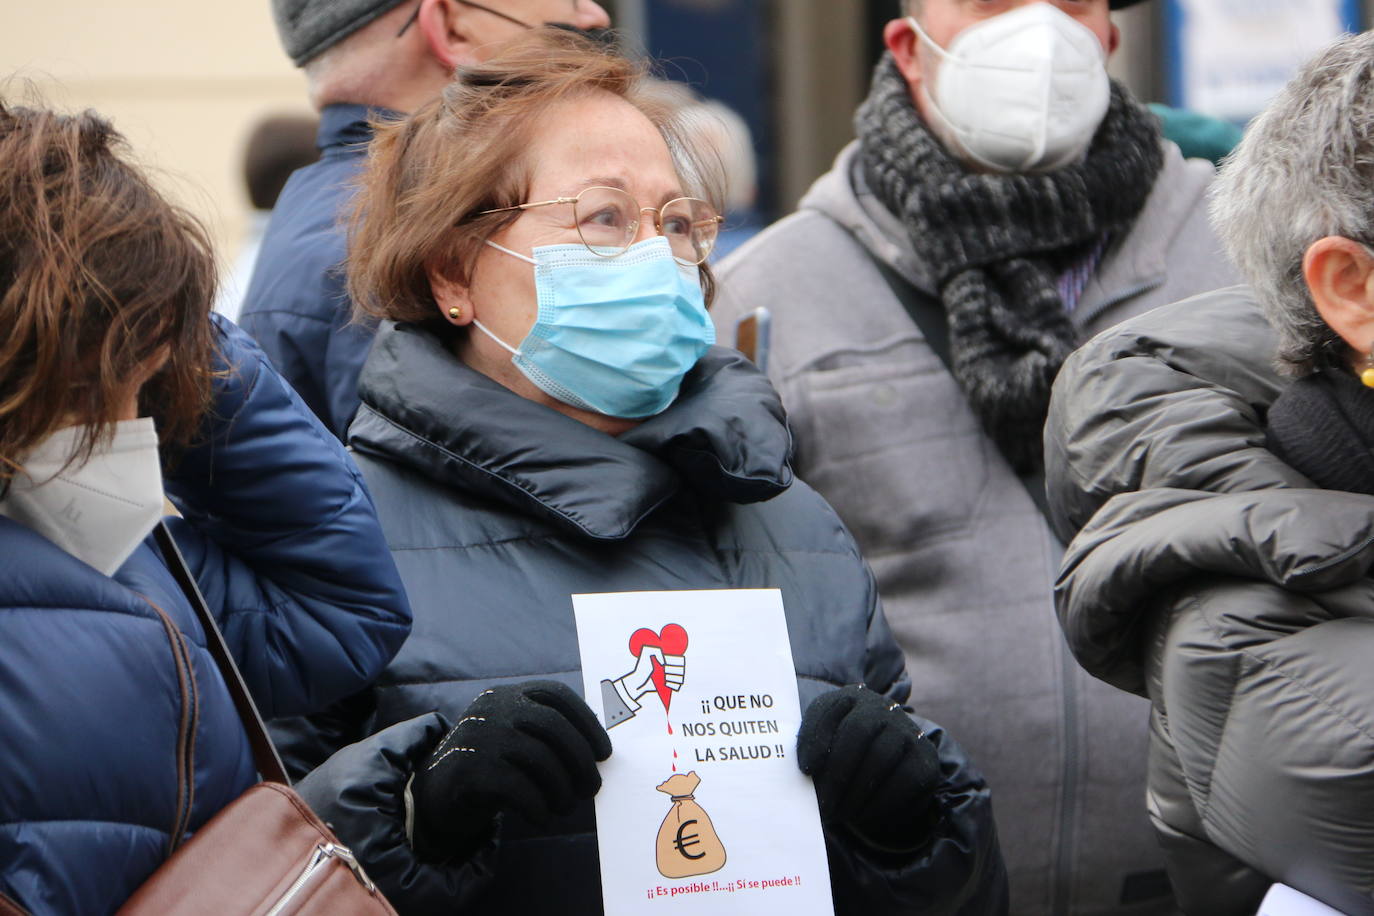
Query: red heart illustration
point(672, 639)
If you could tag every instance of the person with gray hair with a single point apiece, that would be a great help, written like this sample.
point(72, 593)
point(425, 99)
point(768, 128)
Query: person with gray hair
point(725, 131)
point(1227, 465)
point(362, 59)
point(1302, 174)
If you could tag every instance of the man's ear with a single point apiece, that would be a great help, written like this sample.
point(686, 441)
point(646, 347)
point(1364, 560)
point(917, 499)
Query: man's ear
point(901, 39)
point(453, 298)
point(1340, 276)
point(1113, 39)
point(444, 25)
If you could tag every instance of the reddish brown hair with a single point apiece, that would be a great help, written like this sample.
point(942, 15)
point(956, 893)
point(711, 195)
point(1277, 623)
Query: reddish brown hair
point(99, 277)
point(429, 176)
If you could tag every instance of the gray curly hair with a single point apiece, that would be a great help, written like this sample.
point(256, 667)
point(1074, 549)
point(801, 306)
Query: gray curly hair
point(1304, 170)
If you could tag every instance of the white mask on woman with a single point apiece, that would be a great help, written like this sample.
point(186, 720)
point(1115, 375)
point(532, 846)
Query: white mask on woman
point(1023, 91)
point(100, 511)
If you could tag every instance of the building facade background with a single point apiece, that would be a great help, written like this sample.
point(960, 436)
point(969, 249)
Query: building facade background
point(186, 82)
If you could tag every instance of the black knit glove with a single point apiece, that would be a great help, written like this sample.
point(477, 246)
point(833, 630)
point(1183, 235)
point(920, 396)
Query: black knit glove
point(875, 772)
point(528, 748)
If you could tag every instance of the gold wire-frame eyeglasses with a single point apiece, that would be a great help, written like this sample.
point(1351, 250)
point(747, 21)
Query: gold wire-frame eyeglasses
point(603, 219)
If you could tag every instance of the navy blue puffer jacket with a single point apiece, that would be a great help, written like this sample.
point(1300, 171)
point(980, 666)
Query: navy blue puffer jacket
point(296, 305)
point(282, 537)
point(498, 509)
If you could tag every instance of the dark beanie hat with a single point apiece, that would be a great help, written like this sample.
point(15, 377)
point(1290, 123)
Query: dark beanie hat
point(310, 27)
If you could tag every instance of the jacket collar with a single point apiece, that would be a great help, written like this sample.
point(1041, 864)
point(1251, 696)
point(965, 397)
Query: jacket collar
point(725, 437)
point(1133, 264)
point(344, 124)
point(45, 575)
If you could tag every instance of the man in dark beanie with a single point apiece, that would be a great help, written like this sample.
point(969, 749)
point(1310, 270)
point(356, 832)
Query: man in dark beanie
point(361, 58)
point(1004, 201)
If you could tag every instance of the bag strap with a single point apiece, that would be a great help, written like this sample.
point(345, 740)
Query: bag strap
point(930, 318)
point(264, 752)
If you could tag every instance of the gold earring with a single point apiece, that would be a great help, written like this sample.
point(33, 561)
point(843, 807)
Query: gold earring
point(455, 313)
point(1367, 371)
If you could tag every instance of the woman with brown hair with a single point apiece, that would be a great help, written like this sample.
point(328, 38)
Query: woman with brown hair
point(544, 414)
point(120, 738)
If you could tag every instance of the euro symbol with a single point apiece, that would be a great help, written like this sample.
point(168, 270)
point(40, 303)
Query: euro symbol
point(689, 840)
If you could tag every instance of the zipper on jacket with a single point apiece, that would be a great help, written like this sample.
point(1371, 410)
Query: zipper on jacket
point(186, 730)
point(1068, 810)
point(318, 862)
point(1333, 561)
point(1062, 868)
point(1089, 315)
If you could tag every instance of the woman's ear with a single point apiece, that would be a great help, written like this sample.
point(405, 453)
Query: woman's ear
point(1340, 276)
point(454, 298)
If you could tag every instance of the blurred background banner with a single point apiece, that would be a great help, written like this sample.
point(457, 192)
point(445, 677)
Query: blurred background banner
point(1228, 58)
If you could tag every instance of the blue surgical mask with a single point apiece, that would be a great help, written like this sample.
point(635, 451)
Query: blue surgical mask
point(614, 335)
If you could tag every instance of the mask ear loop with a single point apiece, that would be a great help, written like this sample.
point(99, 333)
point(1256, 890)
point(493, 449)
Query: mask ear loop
point(514, 254)
point(483, 328)
point(929, 42)
point(921, 33)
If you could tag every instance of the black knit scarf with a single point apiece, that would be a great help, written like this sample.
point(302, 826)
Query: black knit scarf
point(1323, 426)
point(996, 245)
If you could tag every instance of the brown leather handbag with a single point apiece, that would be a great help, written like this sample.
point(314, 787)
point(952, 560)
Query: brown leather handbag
point(266, 853)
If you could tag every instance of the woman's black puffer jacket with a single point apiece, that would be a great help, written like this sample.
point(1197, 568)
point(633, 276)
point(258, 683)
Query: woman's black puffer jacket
point(498, 509)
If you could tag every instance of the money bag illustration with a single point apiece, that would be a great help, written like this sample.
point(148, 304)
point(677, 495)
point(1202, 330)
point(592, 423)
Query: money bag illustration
point(687, 841)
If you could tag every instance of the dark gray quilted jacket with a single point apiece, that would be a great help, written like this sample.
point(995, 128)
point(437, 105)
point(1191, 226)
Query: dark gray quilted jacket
point(498, 509)
point(1220, 583)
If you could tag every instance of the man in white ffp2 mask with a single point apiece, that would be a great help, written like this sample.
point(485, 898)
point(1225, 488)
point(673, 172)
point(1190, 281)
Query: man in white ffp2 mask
point(1004, 201)
point(1021, 91)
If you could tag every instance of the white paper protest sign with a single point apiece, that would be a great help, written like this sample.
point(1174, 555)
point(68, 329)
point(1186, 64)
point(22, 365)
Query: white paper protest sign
point(702, 808)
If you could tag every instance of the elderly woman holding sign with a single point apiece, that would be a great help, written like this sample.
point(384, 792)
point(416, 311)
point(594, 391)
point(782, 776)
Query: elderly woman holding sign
point(545, 415)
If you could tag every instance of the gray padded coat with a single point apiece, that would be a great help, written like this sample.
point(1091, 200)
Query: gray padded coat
point(498, 509)
point(1221, 584)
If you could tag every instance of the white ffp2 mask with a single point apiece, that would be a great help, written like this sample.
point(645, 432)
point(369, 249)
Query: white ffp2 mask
point(1023, 91)
point(100, 511)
